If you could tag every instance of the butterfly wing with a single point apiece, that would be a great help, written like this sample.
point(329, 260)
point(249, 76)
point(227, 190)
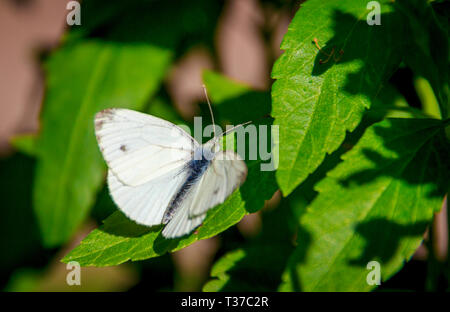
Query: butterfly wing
point(147, 159)
point(139, 148)
point(181, 223)
point(226, 172)
point(146, 203)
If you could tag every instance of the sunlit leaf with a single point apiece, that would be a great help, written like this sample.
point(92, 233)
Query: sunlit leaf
point(317, 98)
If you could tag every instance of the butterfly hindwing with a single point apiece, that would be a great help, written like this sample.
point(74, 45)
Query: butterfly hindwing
point(146, 203)
point(225, 173)
point(181, 223)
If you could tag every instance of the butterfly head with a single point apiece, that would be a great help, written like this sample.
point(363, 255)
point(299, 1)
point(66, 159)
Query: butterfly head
point(207, 151)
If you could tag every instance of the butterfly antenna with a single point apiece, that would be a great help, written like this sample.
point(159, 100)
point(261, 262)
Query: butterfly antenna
point(237, 126)
point(210, 110)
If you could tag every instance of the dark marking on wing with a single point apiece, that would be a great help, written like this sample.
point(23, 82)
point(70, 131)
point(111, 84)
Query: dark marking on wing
point(123, 148)
point(107, 112)
point(98, 124)
point(104, 114)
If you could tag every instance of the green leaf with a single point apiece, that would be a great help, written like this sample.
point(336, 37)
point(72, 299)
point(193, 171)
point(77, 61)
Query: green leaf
point(25, 143)
point(374, 206)
point(391, 104)
point(120, 239)
point(315, 102)
point(147, 21)
point(83, 79)
point(221, 268)
point(259, 265)
point(96, 15)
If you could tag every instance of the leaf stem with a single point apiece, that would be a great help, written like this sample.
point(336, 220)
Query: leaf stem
point(430, 105)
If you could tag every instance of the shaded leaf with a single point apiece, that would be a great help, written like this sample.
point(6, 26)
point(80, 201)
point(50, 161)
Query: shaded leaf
point(19, 233)
point(391, 104)
point(374, 206)
point(259, 265)
point(427, 49)
point(145, 21)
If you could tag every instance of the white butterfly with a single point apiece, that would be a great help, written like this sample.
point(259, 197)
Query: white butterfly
point(159, 174)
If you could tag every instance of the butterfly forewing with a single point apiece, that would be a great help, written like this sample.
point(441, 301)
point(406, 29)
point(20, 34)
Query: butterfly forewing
point(139, 147)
